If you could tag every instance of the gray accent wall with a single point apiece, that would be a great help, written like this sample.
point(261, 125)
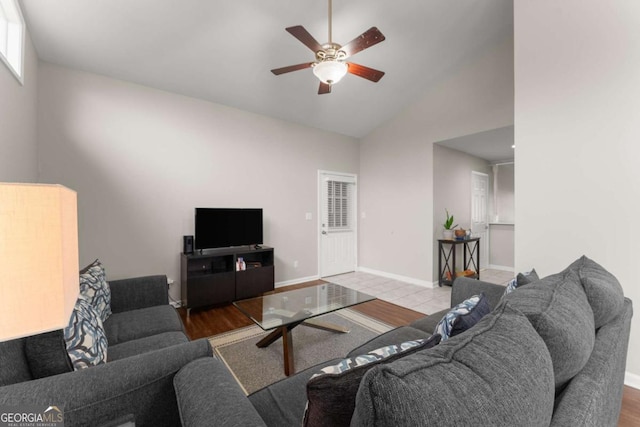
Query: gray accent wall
point(142, 159)
point(18, 142)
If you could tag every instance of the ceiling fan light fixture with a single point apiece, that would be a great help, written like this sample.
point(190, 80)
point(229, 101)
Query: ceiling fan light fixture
point(330, 71)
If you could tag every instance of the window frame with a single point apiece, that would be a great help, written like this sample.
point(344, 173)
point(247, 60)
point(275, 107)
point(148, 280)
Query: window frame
point(14, 36)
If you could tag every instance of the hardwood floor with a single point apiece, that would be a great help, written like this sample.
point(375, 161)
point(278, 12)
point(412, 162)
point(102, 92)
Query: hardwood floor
point(204, 323)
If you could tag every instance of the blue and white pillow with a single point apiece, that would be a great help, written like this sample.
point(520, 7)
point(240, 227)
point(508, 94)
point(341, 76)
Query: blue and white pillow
point(331, 392)
point(95, 289)
point(520, 280)
point(373, 356)
point(85, 338)
point(511, 286)
point(463, 316)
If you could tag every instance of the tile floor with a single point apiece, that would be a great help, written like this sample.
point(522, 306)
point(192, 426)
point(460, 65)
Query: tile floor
point(418, 298)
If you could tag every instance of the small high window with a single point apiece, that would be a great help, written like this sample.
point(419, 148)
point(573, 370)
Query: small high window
point(12, 37)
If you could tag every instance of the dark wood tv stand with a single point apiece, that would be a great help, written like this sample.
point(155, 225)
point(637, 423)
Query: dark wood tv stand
point(209, 277)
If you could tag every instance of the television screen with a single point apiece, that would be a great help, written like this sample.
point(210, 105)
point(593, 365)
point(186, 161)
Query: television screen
point(222, 227)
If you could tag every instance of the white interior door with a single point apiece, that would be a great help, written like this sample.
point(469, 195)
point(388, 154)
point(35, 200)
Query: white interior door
point(479, 212)
point(338, 241)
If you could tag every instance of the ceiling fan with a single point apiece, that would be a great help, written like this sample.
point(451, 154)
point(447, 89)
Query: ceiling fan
point(330, 65)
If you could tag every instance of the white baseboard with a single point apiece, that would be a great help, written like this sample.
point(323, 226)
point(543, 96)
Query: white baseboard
point(500, 267)
point(632, 380)
point(406, 279)
point(296, 281)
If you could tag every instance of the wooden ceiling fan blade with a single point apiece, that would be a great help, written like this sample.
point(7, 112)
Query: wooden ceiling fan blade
point(365, 40)
point(307, 39)
point(290, 68)
point(324, 88)
point(365, 72)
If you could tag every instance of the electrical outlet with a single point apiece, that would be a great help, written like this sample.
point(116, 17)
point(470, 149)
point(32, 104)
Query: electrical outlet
point(170, 281)
point(295, 264)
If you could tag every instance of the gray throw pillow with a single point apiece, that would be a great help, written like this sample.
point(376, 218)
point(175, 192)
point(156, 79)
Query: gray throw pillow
point(498, 373)
point(558, 309)
point(527, 277)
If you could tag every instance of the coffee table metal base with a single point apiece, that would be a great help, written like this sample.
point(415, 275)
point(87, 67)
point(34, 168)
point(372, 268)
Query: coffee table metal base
point(287, 340)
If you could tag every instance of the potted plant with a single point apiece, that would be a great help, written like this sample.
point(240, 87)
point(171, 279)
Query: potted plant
point(448, 227)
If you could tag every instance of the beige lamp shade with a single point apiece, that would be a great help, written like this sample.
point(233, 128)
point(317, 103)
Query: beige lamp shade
point(39, 280)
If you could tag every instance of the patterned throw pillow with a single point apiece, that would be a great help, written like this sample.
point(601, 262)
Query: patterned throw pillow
point(95, 289)
point(520, 280)
point(463, 316)
point(511, 286)
point(84, 337)
point(331, 393)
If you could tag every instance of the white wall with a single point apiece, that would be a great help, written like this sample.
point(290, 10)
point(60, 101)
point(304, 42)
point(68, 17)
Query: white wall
point(141, 160)
point(452, 190)
point(18, 143)
point(577, 121)
point(396, 162)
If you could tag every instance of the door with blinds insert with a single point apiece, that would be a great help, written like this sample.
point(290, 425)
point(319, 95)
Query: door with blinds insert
point(338, 229)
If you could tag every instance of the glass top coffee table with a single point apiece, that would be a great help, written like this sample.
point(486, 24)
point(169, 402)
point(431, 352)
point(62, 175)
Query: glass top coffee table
point(284, 311)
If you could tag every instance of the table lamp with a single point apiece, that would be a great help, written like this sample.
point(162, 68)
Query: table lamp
point(39, 280)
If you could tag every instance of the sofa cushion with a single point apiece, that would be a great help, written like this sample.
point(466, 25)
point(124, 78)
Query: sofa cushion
point(497, 373)
point(462, 317)
point(14, 367)
point(95, 289)
point(394, 336)
point(47, 354)
point(146, 344)
point(331, 393)
point(603, 290)
point(144, 322)
point(558, 309)
point(85, 338)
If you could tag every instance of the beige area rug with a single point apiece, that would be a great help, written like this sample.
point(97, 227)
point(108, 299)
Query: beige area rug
point(255, 368)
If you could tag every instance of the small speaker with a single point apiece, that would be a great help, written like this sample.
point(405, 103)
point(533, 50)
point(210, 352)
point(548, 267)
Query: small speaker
point(187, 244)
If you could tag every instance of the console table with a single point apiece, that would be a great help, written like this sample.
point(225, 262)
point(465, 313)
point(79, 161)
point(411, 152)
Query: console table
point(447, 259)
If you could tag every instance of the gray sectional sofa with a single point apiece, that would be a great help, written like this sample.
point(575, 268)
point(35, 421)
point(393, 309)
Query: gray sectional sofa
point(147, 346)
point(553, 352)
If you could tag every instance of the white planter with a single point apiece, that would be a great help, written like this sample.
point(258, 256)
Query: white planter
point(447, 234)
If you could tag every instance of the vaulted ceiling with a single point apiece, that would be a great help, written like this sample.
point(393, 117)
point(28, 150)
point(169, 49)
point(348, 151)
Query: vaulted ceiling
point(223, 51)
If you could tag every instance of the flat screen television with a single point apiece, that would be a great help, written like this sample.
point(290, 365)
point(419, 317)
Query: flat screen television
point(224, 227)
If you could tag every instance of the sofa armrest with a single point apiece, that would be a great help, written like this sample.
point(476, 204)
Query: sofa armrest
point(464, 288)
point(594, 396)
point(141, 385)
point(207, 394)
point(138, 292)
